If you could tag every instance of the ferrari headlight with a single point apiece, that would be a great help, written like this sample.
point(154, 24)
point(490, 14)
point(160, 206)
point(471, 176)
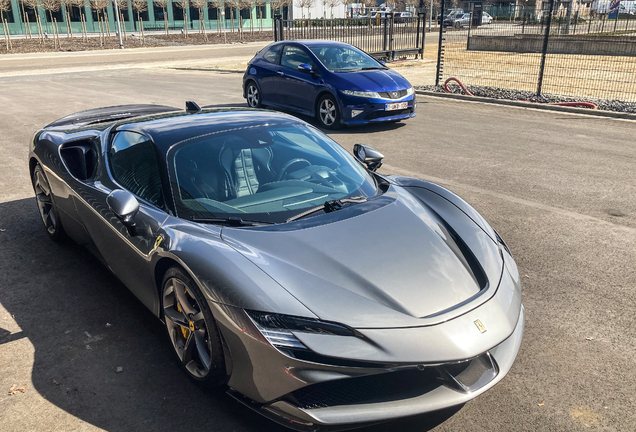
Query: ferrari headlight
point(278, 328)
point(373, 95)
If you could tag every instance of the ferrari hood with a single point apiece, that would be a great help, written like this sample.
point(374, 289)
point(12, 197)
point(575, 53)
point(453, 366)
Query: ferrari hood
point(397, 266)
point(380, 80)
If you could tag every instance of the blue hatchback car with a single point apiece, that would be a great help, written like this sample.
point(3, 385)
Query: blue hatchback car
point(333, 81)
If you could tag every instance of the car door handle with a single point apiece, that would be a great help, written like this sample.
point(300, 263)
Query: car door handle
point(280, 72)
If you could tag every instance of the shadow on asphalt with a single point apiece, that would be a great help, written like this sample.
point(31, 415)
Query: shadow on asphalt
point(84, 324)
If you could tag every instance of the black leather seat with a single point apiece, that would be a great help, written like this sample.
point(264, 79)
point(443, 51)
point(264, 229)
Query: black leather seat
point(246, 168)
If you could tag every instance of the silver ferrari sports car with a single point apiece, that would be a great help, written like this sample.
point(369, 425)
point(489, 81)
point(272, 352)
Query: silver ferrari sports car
point(321, 293)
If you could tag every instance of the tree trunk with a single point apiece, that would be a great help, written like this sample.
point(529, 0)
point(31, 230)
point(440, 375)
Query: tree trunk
point(123, 24)
point(165, 20)
point(106, 23)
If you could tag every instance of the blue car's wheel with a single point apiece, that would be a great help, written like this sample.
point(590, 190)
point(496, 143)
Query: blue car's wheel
point(253, 95)
point(328, 113)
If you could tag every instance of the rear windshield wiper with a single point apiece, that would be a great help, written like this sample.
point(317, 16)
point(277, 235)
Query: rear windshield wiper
point(231, 221)
point(329, 206)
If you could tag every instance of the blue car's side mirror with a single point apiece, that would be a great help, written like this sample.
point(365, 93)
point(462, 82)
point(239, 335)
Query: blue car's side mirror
point(304, 68)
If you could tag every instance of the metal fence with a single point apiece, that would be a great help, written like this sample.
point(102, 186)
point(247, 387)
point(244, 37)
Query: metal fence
point(387, 38)
point(566, 50)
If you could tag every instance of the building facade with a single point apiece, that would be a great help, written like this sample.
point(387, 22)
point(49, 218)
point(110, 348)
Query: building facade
point(21, 18)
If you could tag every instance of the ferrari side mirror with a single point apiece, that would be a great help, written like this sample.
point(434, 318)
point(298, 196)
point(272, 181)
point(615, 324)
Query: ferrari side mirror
point(125, 206)
point(368, 156)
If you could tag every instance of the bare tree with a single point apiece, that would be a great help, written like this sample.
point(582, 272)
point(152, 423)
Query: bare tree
point(34, 5)
point(200, 5)
point(99, 6)
point(243, 5)
point(163, 4)
point(5, 6)
point(140, 6)
point(216, 4)
point(80, 4)
point(278, 5)
point(233, 5)
point(260, 4)
point(332, 4)
point(53, 6)
point(184, 5)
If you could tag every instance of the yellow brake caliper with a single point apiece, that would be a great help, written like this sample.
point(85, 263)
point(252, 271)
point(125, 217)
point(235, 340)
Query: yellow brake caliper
point(185, 331)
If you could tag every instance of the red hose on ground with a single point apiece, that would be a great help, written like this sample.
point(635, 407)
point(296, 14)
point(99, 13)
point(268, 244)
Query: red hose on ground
point(582, 104)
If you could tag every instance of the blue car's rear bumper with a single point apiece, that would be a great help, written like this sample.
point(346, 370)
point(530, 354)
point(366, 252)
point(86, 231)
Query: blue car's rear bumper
point(357, 111)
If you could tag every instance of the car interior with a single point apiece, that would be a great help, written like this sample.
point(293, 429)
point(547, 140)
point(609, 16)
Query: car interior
point(256, 172)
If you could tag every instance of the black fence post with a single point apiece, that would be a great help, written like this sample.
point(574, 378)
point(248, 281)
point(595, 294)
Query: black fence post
point(545, 48)
point(276, 19)
point(439, 47)
point(423, 16)
point(391, 35)
point(386, 31)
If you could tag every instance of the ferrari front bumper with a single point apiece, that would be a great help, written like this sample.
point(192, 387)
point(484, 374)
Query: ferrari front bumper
point(381, 374)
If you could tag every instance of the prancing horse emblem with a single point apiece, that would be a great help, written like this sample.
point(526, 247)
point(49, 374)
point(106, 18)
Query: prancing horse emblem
point(480, 326)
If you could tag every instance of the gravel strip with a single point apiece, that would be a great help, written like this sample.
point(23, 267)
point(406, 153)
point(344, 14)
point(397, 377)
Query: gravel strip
point(501, 93)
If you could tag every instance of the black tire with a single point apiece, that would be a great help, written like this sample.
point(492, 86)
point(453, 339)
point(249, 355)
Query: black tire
point(253, 95)
point(457, 25)
point(327, 112)
point(46, 205)
point(196, 342)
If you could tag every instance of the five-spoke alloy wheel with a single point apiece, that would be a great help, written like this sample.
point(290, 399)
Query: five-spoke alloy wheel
point(192, 328)
point(46, 205)
point(328, 112)
point(253, 95)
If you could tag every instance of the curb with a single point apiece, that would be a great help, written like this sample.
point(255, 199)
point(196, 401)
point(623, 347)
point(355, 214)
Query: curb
point(598, 113)
point(209, 70)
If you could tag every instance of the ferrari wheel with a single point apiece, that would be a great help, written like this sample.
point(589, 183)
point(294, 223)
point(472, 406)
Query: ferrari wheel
point(46, 205)
point(253, 95)
point(192, 329)
point(328, 113)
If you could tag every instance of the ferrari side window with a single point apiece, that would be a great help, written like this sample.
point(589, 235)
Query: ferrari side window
point(133, 163)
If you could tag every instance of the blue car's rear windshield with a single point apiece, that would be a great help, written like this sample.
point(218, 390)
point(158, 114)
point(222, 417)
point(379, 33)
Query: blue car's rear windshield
point(344, 58)
point(263, 173)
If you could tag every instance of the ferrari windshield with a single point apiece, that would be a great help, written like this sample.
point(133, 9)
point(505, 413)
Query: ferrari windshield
point(344, 58)
point(263, 173)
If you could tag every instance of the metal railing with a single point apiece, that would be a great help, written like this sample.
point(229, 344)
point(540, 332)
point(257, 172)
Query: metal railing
point(386, 38)
point(563, 50)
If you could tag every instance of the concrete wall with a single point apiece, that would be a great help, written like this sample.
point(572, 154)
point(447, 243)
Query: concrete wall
point(584, 45)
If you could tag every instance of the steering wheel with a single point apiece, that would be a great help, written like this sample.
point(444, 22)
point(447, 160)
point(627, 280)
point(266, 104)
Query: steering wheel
point(289, 163)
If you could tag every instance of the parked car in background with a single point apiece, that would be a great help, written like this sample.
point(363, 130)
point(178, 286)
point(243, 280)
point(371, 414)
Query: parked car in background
point(447, 13)
point(400, 17)
point(462, 20)
point(450, 19)
point(333, 81)
point(486, 18)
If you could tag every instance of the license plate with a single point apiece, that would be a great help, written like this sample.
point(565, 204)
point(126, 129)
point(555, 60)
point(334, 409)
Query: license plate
point(396, 106)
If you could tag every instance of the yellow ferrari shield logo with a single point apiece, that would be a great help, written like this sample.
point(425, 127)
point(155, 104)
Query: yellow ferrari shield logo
point(158, 242)
point(480, 326)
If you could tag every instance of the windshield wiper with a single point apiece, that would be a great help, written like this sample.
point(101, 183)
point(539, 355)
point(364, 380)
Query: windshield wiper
point(373, 68)
point(231, 221)
point(329, 206)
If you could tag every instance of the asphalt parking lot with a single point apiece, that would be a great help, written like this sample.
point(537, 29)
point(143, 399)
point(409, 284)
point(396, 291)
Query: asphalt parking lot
point(560, 189)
